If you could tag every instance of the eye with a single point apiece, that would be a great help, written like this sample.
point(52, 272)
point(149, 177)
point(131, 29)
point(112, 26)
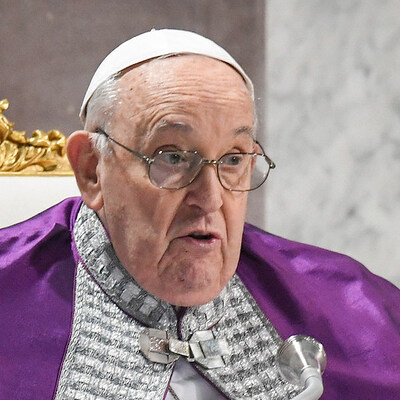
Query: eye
point(172, 157)
point(232, 159)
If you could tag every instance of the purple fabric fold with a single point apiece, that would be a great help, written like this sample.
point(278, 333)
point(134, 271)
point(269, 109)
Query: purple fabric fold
point(355, 314)
point(36, 296)
point(302, 290)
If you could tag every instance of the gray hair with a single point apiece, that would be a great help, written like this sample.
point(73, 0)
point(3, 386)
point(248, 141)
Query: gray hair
point(100, 110)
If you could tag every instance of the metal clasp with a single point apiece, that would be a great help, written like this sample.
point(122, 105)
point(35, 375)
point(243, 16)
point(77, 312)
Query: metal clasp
point(202, 348)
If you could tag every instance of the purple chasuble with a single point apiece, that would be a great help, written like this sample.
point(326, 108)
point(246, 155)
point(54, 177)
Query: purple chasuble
point(355, 314)
point(37, 269)
point(301, 289)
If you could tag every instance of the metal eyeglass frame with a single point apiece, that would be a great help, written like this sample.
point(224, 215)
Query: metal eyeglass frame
point(150, 160)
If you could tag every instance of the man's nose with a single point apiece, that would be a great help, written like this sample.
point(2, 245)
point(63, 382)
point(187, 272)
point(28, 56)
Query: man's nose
point(206, 191)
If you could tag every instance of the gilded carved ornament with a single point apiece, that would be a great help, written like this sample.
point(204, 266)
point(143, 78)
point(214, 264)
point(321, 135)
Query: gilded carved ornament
point(42, 154)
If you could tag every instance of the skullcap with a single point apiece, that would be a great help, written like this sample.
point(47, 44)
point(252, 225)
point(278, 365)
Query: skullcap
point(156, 43)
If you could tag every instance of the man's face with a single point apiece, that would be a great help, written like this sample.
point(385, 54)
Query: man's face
point(180, 245)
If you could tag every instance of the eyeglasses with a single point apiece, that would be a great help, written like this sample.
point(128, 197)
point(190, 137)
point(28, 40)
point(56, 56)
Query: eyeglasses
point(175, 169)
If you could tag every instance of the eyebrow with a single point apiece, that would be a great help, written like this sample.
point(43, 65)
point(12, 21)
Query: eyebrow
point(174, 125)
point(247, 130)
point(186, 128)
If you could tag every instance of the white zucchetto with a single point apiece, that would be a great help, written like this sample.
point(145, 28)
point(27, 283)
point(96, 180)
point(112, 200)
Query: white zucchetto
point(157, 43)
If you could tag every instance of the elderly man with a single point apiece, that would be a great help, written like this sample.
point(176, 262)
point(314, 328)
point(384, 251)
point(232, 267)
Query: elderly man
point(153, 287)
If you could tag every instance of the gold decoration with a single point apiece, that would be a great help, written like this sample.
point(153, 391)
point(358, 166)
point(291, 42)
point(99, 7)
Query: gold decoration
point(41, 154)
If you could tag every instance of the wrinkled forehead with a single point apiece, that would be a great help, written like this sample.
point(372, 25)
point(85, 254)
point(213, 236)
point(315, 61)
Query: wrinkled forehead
point(155, 44)
point(183, 74)
point(183, 96)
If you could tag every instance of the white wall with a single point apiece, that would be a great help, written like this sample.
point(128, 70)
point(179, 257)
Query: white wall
point(25, 196)
point(333, 109)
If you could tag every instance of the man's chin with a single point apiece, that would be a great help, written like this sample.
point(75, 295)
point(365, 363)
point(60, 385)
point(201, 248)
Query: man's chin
point(193, 298)
point(193, 292)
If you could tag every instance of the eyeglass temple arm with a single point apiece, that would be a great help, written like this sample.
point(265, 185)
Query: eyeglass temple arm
point(146, 159)
point(271, 164)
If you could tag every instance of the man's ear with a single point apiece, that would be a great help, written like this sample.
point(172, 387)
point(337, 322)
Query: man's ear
point(84, 160)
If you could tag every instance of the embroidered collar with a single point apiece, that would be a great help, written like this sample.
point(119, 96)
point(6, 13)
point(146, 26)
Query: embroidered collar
point(111, 311)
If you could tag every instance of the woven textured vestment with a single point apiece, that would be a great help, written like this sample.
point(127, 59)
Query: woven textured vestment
point(71, 317)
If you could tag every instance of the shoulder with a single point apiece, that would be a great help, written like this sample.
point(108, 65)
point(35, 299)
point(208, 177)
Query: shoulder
point(266, 251)
point(307, 290)
point(37, 268)
point(62, 215)
point(40, 239)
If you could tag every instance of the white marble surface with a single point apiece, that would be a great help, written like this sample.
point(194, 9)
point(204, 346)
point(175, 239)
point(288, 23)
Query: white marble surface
point(333, 112)
point(26, 196)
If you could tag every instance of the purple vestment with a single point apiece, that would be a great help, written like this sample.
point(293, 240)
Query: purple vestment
point(301, 289)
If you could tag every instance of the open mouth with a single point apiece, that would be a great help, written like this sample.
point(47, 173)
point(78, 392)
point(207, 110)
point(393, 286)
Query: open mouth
point(204, 240)
point(202, 236)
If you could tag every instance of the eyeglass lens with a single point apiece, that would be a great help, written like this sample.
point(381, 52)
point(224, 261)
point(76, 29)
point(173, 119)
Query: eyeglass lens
point(236, 171)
